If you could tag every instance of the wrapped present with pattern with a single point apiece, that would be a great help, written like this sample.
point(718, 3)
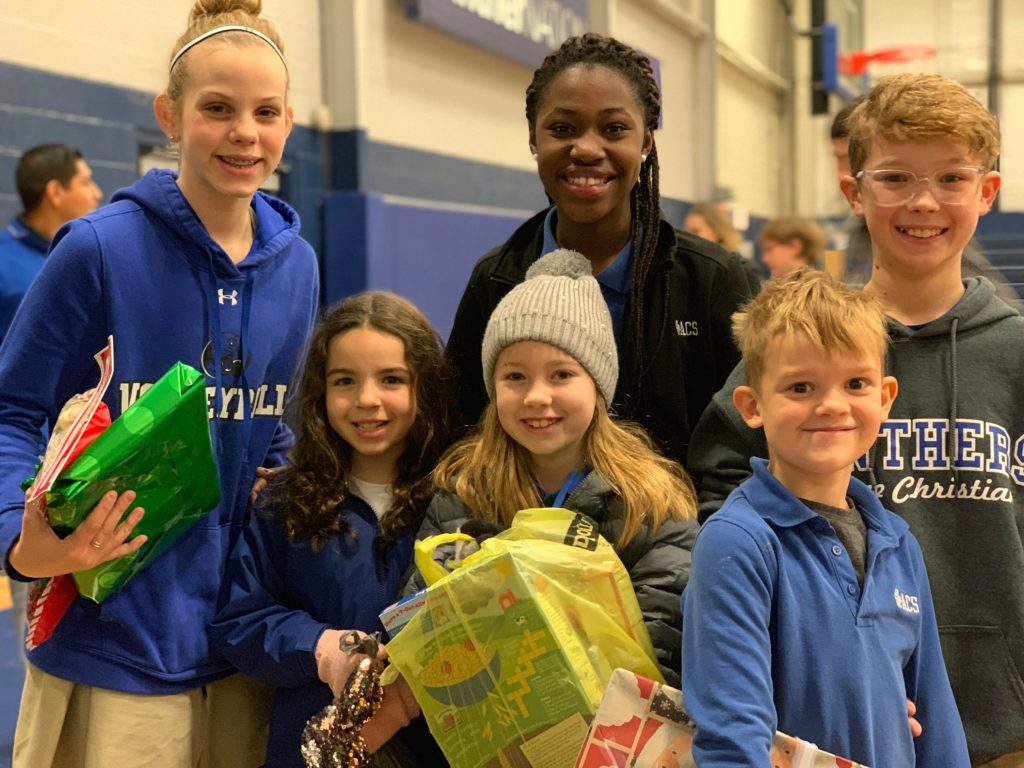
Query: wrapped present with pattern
point(510, 653)
point(641, 723)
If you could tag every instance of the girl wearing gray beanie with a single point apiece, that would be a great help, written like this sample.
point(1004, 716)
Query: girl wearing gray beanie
point(546, 439)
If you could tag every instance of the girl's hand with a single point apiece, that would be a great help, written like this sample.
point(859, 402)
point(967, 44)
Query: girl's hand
point(915, 726)
point(397, 711)
point(40, 553)
point(334, 664)
point(263, 476)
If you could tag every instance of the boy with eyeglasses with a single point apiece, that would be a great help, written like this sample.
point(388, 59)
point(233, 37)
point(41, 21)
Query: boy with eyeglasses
point(950, 456)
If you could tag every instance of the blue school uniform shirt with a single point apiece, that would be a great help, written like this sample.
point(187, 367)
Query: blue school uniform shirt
point(615, 279)
point(279, 596)
point(22, 253)
point(778, 635)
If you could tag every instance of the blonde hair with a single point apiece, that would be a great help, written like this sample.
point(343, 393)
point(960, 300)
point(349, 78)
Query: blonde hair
point(913, 107)
point(490, 472)
point(207, 15)
point(832, 315)
point(809, 232)
point(728, 236)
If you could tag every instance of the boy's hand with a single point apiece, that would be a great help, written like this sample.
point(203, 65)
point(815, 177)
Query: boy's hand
point(915, 727)
point(397, 711)
point(40, 553)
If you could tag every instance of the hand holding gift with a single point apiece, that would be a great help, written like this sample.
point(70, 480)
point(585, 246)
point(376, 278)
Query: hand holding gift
point(41, 553)
point(397, 711)
point(338, 656)
point(78, 509)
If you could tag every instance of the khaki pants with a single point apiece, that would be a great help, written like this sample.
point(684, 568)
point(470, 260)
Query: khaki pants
point(1013, 760)
point(66, 725)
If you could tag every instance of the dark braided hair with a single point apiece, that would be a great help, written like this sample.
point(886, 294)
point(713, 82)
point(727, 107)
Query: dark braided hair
point(593, 50)
point(304, 496)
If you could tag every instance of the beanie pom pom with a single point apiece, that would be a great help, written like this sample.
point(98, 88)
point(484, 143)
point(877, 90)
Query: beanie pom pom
point(561, 263)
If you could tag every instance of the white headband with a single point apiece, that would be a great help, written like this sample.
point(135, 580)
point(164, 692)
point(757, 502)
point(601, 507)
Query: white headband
point(230, 28)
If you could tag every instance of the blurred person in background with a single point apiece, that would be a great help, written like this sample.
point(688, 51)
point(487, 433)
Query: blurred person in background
point(55, 185)
point(792, 242)
point(709, 220)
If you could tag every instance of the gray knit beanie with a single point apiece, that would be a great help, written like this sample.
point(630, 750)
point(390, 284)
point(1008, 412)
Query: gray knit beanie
point(560, 303)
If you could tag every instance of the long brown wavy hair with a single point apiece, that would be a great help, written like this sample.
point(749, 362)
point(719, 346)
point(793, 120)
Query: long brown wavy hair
point(305, 495)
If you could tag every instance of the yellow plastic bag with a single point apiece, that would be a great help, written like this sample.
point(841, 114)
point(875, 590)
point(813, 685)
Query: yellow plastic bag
point(512, 651)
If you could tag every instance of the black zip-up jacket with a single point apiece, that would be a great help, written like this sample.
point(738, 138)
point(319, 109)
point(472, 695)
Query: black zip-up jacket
point(693, 288)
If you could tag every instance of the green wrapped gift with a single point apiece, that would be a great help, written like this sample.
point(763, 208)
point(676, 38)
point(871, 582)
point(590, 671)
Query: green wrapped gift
point(160, 448)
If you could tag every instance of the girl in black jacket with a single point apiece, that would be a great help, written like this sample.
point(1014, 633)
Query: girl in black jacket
point(592, 109)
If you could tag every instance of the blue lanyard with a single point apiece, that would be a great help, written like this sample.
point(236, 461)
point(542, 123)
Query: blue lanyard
point(571, 483)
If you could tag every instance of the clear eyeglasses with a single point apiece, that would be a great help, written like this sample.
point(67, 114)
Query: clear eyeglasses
point(950, 186)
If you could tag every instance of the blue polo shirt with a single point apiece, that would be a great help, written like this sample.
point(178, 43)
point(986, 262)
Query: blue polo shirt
point(615, 279)
point(779, 634)
point(22, 253)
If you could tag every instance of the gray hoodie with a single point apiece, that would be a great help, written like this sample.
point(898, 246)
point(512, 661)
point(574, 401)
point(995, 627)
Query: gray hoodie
point(965, 368)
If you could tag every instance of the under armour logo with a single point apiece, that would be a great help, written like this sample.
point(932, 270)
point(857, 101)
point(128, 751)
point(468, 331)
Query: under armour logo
point(222, 297)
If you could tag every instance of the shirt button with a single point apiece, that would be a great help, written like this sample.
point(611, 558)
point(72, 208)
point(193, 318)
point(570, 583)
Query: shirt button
point(851, 589)
point(837, 550)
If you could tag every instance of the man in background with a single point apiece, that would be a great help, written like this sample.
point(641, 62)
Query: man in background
point(55, 185)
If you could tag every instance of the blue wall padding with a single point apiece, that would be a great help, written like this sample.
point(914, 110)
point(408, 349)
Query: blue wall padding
point(422, 252)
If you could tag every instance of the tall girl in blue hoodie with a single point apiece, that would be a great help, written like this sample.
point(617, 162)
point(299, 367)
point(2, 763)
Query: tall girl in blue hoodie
point(332, 542)
point(196, 266)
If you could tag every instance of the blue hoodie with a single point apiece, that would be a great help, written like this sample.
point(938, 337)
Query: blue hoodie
point(145, 270)
point(779, 635)
point(279, 597)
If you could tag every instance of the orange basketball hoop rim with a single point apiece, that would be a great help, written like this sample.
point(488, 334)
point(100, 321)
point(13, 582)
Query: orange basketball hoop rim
point(855, 62)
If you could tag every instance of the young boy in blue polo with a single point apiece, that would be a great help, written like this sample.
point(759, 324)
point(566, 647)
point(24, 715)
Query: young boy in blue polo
point(808, 609)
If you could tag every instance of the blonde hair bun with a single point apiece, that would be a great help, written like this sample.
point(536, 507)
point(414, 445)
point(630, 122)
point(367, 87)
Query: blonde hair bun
point(203, 8)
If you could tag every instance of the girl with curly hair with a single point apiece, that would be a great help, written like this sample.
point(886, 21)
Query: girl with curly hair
point(332, 539)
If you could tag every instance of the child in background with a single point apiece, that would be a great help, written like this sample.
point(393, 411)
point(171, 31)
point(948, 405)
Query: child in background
point(808, 608)
point(332, 542)
point(949, 457)
point(200, 267)
point(546, 439)
point(790, 243)
point(709, 221)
